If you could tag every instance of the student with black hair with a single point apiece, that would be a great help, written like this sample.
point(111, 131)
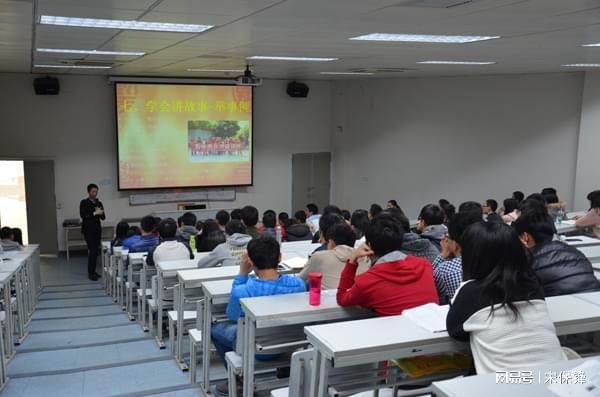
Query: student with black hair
point(449, 211)
point(187, 227)
point(269, 222)
point(430, 224)
point(412, 243)
point(501, 309)
point(7, 241)
point(561, 269)
point(592, 218)
point(519, 196)
point(91, 212)
point(148, 240)
point(297, 229)
point(394, 282)
point(374, 210)
point(346, 215)
point(312, 217)
point(170, 248)
point(511, 211)
point(283, 220)
point(236, 214)
point(250, 219)
point(360, 222)
point(447, 267)
point(229, 252)
point(489, 211)
point(222, 218)
point(325, 222)
point(340, 240)
point(392, 204)
point(202, 243)
point(263, 258)
point(471, 206)
point(18, 235)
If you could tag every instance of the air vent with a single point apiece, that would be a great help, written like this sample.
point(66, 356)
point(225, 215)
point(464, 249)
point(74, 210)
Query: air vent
point(92, 63)
point(213, 56)
point(434, 3)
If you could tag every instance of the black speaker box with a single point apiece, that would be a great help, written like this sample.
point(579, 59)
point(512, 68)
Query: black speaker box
point(46, 86)
point(297, 90)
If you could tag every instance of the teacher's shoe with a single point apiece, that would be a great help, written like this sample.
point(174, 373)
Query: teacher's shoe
point(93, 277)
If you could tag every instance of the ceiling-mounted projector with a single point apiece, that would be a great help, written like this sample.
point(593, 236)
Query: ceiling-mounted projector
point(248, 78)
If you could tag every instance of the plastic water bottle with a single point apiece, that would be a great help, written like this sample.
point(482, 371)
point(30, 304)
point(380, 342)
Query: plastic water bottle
point(193, 243)
point(278, 233)
point(314, 288)
point(560, 215)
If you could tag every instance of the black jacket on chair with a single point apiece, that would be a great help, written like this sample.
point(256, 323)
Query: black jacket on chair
point(90, 223)
point(563, 269)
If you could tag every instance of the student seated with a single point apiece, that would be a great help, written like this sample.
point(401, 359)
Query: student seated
point(325, 222)
point(447, 267)
point(468, 206)
point(511, 211)
point(340, 240)
point(518, 195)
point(121, 231)
point(18, 235)
point(7, 240)
point(148, 240)
point(283, 220)
point(449, 210)
point(250, 219)
point(170, 248)
point(312, 217)
point(298, 230)
point(222, 218)
point(561, 269)
point(412, 243)
point(187, 227)
point(592, 217)
point(329, 209)
point(263, 257)
point(360, 222)
point(394, 281)
point(229, 252)
point(134, 235)
point(501, 309)
point(374, 210)
point(210, 226)
point(430, 224)
point(269, 222)
point(489, 211)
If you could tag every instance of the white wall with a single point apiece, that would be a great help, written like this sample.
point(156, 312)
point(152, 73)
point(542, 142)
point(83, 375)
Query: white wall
point(77, 130)
point(588, 175)
point(463, 138)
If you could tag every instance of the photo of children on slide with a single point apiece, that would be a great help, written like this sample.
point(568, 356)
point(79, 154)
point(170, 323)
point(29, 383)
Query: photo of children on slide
point(219, 140)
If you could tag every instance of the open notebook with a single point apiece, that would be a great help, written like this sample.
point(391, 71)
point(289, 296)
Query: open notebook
point(430, 316)
point(294, 263)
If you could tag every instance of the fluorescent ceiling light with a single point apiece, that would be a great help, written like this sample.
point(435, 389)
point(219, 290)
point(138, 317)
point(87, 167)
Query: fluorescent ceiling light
point(217, 70)
point(583, 65)
point(307, 59)
point(423, 38)
point(73, 66)
point(348, 73)
point(591, 45)
point(123, 24)
point(91, 52)
point(456, 63)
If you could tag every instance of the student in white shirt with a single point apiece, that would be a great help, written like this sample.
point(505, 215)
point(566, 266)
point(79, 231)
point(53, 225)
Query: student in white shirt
point(500, 309)
point(169, 249)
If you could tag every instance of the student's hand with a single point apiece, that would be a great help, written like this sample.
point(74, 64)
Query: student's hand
point(245, 264)
point(445, 251)
point(362, 251)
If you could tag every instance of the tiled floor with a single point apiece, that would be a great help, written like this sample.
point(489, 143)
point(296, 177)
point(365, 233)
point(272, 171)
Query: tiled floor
point(82, 344)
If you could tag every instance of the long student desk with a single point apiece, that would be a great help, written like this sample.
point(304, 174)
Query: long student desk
point(591, 252)
point(581, 241)
point(385, 338)
point(192, 280)
point(489, 386)
point(284, 310)
point(566, 226)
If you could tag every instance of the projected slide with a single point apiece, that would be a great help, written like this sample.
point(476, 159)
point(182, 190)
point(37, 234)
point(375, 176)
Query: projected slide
point(179, 135)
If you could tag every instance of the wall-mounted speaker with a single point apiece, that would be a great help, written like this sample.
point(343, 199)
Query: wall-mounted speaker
point(297, 90)
point(46, 86)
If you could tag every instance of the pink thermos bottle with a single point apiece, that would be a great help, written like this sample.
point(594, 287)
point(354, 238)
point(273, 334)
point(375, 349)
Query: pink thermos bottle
point(314, 288)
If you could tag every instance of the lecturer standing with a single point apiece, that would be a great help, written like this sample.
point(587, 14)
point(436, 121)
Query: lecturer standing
point(91, 211)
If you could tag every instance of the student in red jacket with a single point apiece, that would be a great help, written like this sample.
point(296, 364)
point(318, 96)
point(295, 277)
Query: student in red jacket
point(394, 281)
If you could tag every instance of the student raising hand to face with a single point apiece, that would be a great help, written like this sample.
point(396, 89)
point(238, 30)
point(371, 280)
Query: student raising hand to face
point(246, 264)
point(361, 252)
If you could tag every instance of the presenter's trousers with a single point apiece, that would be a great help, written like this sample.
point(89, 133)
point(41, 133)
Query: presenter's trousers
point(92, 239)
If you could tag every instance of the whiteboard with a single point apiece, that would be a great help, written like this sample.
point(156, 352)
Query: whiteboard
point(187, 196)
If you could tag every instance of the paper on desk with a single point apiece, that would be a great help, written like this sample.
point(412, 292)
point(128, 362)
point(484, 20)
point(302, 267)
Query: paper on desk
point(296, 262)
point(569, 221)
point(586, 383)
point(431, 316)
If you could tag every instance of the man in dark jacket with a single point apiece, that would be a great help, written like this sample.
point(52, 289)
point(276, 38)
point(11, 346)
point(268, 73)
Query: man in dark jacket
point(91, 212)
point(562, 269)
